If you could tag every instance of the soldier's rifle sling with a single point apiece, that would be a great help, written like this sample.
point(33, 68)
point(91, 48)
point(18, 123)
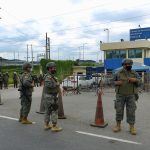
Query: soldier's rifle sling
point(23, 90)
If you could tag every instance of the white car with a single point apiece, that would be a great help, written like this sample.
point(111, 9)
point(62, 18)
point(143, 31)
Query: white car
point(71, 81)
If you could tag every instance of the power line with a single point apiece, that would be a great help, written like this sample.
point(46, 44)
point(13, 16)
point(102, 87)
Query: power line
point(117, 20)
point(73, 12)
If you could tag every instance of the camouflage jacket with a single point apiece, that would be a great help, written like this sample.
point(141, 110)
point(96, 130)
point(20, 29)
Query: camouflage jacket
point(51, 84)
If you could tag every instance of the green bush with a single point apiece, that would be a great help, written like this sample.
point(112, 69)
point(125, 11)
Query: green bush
point(64, 67)
point(18, 70)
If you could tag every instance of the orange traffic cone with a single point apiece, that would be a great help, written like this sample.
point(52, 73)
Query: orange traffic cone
point(99, 117)
point(60, 107)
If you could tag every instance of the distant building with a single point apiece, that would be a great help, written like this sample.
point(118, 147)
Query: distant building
point(138, 51)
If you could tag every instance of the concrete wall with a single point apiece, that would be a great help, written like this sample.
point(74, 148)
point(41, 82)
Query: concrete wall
point(125, 45)
point(81, 69)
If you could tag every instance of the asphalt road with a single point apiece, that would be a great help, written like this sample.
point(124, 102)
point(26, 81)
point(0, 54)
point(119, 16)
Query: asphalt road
point(77, 133)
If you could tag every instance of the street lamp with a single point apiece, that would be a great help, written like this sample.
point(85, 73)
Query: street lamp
point(106, 29)
point(79, 52)
point(83, 49)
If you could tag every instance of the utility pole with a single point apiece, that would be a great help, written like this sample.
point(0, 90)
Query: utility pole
point(32, 55)
point(27, 53)
point(46, 46)
point(18, 55)
point(106, 29)
point(14, 55)
point(79, 52)
point(83, 49)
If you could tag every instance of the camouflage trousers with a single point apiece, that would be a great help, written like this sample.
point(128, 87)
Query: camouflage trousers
point(128, 101)
point(25, 106)
point(51, 108)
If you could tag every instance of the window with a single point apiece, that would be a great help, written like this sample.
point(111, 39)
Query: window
point(135, 53)
point(116, 54)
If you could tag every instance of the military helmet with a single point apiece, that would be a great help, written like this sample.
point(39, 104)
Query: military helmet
point(26, 65)
point(50, 64)
point(127, 61)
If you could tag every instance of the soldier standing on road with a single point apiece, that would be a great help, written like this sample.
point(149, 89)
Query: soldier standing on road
point(5, 80)
point(36, 81)
point(26, 89)
point(126, 84)
point(51, 89)
point(40, 79)
point(1, 81)
point(15, 79)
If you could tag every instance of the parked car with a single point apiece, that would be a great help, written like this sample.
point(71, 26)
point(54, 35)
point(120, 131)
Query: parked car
point(71, 81)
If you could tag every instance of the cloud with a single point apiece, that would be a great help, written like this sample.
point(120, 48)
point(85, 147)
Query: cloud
point(76, 1)
point(114, 16)
point(58, 27)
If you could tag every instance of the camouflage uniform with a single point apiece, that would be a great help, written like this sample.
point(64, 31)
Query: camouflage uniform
point(125, 94)
point(5, 80)
point(26, 89)
point(50, 93)
point(36, 81)
point(40, 79)
point(15, 79)
point(1, 80)
point(51, 89)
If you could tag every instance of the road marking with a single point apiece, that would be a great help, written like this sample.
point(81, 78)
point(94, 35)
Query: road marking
point(10, 118)
point(107, 137)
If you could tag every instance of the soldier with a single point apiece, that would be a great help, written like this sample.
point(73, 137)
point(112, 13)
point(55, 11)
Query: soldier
point(15, 79)
point(126, 84)
point(5, 80)
point(51, 89)
point(40, 79)
point(1, 81)
point(35, 78)
point(26, 89)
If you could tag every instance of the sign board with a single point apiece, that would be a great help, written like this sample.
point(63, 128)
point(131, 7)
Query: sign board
point(113, 63)
point(140, 33)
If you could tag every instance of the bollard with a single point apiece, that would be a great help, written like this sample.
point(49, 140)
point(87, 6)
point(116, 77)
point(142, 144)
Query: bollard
point(60, 107)
point(42, 108)
point(0, 100)
point(99, 117)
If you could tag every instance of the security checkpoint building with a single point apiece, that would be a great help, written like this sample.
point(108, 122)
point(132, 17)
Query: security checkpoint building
point(138, 51)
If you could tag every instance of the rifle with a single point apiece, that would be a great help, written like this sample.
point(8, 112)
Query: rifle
point(22, 89)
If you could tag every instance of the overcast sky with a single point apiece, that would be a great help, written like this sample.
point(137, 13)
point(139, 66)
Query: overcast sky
point(70, 24)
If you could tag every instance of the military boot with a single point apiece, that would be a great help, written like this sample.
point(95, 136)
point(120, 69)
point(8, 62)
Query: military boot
point(20, 119)
point(47, 126)
point(132, 130)
point(55, 128)
point(25, 121)
point(117, 128)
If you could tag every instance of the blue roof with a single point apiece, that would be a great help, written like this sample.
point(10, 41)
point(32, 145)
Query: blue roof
point(138, 68)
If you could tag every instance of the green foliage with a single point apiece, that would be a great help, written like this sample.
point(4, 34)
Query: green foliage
point(64, 67)
point(18, 70)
